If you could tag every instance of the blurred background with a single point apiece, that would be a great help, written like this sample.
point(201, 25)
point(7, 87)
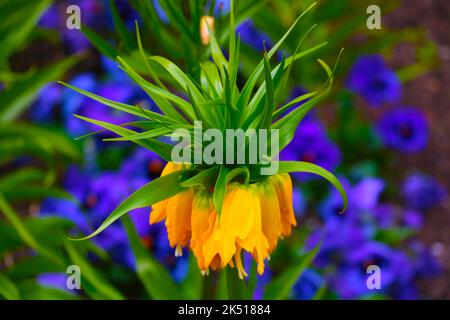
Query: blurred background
point(382, 130)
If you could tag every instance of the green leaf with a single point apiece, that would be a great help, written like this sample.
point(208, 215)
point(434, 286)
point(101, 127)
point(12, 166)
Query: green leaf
point(120, 27)
point(45, 140)
point(155, 191)
point(156, 279)
point(18, 24)
point(210, 79)
point(289, 123)
point(192, 286)
point(177, 18)
point(161, 148)
point(160, 96)
point(306, 167)
point(8, 289)
point(90, 274)
point(24, 232)
point(99, 43)
point(30, 290)
point(145, 60)
point(180, 77)
point(220, 189)
point(270, 96)
point(204, 179)
point(225, 177)
point(281, 286)
point(251, 82)
point(148, 114)
point(15, 99)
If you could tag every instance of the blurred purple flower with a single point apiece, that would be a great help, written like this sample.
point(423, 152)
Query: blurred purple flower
point(412, 219)
point(363, 197)
point(384, 215)
point(222, 7)
point(143, 163)
point(298, 201)
point(365, 194)
point(350, 280)
point(338, 237)
point(307, 285)
point(404, 129)
point(311, 144)
point(55, 18)
point(422, 192)
point(371, 78)
point(99, 193)
point(160, 11)
point(425, 263)
point(72, 100)
point(255, 38)
point(43, 109)
point(54, 280)
point(112, 90)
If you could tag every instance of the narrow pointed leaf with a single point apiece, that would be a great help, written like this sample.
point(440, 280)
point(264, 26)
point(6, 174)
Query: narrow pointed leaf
point(155, 191)
point(306, 167)
point(154, 276)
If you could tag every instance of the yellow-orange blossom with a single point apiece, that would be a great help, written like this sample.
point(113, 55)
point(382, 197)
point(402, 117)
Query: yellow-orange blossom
point(253, 218)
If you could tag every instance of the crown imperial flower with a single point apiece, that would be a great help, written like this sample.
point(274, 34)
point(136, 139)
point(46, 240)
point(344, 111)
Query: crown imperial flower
point(254, 217)
point(219, 210)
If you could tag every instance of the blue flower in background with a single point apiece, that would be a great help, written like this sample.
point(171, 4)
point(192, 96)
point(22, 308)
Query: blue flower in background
point(422, 192)
point(388, 216)
point(99, 193)
point(116, 90)
point(160, 11)
point(311, 144)
point(254, 37)
point(143, 163)
point(54, 280)
point(338, 237)
point(363, 198)
point(55, 18)
point(49, 98)
point(350, 281)
point(72, 100)
point(425, 264)
point(412, 219)
point(366, 193)
point(299, 202)
point(307, 285)
point(384, 215)
point(222, 7)
point(371, 78)
point(403, 129)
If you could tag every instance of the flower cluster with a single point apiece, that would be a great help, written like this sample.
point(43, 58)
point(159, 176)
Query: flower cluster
point(191, 219)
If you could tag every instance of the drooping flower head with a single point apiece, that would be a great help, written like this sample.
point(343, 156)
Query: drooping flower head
point(191, 216)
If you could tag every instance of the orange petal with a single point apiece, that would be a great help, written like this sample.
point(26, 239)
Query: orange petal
point(178, 221)
point(283, 187)
point(202, 207)
point(270, 214)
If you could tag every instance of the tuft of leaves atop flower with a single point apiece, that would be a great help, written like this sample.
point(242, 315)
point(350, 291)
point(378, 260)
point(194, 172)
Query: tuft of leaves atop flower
point(215, 99)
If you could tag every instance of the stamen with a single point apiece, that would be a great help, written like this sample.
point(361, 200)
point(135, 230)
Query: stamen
point(178, 251)
point(205, 272)
point(240, 268)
